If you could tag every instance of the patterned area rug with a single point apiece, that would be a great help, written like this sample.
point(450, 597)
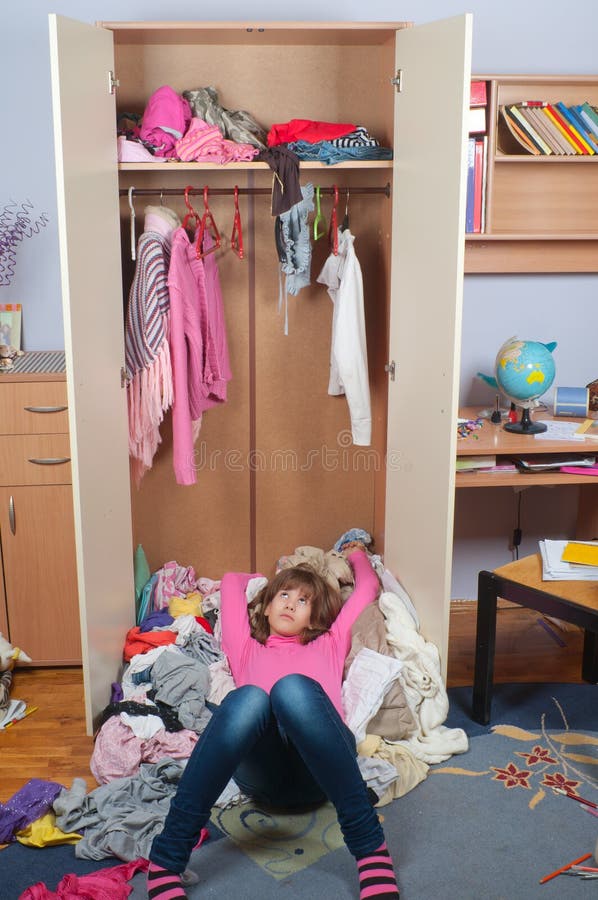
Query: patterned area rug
point(485, 824)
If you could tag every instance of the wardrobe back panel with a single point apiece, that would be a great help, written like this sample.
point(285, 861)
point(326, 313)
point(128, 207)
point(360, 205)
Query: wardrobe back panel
point(274, 83)
point(312, 483)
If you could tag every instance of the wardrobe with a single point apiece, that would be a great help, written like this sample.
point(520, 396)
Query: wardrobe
point(276, 467)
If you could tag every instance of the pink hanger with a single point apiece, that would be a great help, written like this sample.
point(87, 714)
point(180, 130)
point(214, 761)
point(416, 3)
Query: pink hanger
point(207, 220)
point(236, 238)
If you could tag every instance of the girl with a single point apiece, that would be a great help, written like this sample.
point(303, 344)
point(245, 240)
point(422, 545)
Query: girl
point(281, 733)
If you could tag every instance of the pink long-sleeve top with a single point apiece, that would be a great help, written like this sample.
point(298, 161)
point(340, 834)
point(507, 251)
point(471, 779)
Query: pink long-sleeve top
point(323, 659)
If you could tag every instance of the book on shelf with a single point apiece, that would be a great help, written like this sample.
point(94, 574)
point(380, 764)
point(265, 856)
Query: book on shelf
point(473, 463)
point(544, 462)
point(589, 115)
point(484, 182)
point(529, 129)
point(469, 203)
point(551, 111)
point(540, 123)
point(557, 138)
point(478, 93)
point(478, 174)
point(477, 119)
point(578, 129)
point(580, 470)
point(512, 138)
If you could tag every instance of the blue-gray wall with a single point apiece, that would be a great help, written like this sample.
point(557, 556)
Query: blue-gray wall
point(510, 36)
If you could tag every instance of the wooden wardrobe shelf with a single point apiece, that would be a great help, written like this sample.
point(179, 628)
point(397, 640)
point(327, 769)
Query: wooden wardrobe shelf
point(248, 166)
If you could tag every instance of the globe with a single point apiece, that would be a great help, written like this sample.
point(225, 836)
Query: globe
point(524, 371)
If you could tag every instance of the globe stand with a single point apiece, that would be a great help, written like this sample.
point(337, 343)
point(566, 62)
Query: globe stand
point(525, 426)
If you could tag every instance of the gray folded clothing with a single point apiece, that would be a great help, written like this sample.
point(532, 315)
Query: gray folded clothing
point(236, 125)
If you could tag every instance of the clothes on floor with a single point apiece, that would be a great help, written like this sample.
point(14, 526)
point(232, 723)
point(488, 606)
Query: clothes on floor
point(341, 274)
point(30, 802)
point(110, 882)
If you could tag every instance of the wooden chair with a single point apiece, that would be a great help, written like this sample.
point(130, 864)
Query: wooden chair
point(521, 582)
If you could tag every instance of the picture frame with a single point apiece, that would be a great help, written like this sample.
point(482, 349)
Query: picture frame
point(10, 324)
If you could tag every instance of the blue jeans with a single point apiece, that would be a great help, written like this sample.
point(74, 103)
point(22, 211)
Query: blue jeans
point(289, 748)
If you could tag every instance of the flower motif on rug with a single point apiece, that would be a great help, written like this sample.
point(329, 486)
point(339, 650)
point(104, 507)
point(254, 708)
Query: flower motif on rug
point(555, 761)
point(512, 777)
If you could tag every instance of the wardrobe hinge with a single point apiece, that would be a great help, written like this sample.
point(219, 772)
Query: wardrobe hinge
point(398, 81)
point(391, 369)
point(113, 83)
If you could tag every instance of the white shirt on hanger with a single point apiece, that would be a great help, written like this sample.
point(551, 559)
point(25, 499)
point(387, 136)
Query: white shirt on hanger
point(348, 352)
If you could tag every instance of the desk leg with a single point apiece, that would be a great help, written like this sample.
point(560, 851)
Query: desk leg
point(589, 660)
point(485, 644)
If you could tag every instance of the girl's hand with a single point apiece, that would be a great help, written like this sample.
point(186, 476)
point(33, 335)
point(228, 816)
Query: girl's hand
point(351, 547)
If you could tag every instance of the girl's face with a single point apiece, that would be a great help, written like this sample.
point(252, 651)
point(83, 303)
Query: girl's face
point(289, 612)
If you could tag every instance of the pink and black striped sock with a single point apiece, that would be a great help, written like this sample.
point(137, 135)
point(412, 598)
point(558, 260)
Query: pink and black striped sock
point(164, 885)
point(376, 875)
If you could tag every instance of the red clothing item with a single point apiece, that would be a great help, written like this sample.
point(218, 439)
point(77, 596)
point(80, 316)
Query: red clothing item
point(306, 130)
point(137, 641)
point(323, 659)
point(105, 884)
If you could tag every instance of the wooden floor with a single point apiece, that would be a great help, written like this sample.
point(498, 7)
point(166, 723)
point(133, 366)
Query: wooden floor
point(51, 743)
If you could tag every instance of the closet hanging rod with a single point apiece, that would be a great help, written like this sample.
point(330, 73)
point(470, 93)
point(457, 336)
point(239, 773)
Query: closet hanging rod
point(175, 192)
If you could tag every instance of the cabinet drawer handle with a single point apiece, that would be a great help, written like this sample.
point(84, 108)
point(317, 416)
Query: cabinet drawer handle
point(45, 409)
point(50, 460)
point(11, 515)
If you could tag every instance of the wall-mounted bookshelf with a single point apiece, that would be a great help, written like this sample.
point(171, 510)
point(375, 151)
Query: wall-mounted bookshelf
point(540, 211)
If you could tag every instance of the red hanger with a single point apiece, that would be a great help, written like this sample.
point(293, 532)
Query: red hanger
point(207, 220)
point(236, 238)
point(333, 228)
point(192, 214)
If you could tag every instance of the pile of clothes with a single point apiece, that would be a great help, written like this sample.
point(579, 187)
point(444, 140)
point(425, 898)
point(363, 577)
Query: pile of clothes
point(194, 126)
point(393, 695)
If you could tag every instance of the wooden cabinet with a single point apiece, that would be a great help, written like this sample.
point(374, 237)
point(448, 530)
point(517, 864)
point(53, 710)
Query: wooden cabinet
point(541, 211)
point(39, 609)
point(276, 467)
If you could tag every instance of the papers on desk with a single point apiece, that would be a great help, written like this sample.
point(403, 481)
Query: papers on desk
point(559, 431)
point(555, 569)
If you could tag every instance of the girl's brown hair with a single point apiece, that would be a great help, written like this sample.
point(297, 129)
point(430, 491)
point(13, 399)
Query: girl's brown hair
point(326, 602)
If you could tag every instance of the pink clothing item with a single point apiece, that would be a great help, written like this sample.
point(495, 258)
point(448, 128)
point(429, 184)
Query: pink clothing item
point(118, 752)
point(166, 118)
point(323, 659)
point(105, 884)
point(205, 143)
point(198, 347)
point(134, 151)
point(307, 130)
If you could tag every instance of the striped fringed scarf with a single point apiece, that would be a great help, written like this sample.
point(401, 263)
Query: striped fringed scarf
point(5, 683)
point(149, 387)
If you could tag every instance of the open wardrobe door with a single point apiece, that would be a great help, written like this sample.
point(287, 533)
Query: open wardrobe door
point(85, 144)
point(425, 324)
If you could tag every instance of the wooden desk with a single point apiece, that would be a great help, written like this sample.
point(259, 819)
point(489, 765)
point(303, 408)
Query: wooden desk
point(493, 440)
point(521, 582)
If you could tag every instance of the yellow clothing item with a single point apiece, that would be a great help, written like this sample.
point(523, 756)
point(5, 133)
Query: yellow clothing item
point(44, 833)
point(185, 606)
point(411, 770)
